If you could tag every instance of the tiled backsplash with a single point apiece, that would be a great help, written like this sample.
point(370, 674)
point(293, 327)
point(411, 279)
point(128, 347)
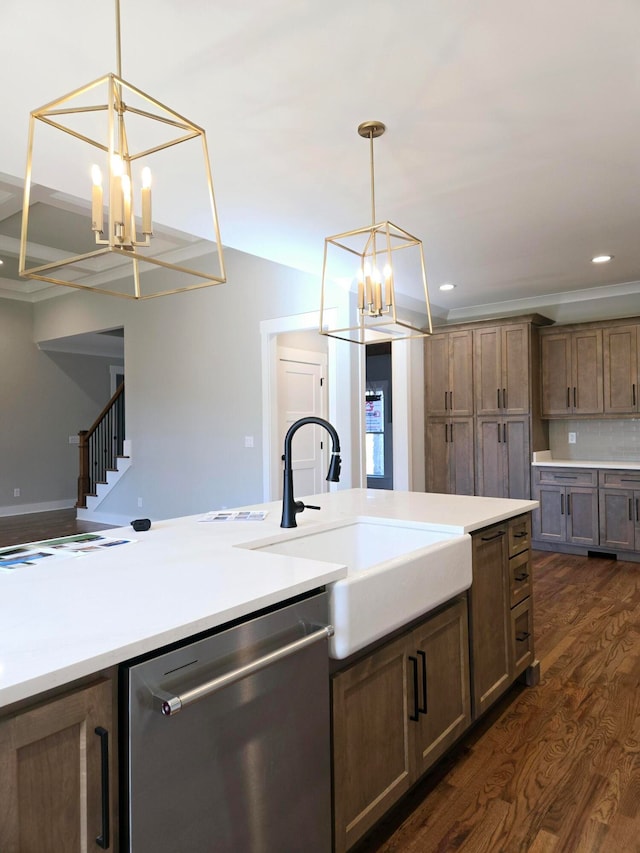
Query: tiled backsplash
point(605, 440)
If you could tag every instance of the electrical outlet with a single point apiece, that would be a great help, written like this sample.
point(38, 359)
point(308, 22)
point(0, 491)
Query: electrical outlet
point(572, 437)
point(139, 502)
point(74, 439)
point(248, 441)
point(16, 493)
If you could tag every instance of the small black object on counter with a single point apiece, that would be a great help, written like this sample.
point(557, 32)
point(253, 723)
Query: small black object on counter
point(141, 524)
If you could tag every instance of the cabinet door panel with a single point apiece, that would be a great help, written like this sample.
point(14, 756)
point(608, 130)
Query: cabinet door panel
point(370, 741)
point(549, 519)
point(461, 372)
point(556, 373)
point(50, 784)
point(515, 370)
point(460, 450)
point(442, 649)
point(490, 617)
point(518, 459)
point(617, 525)
point(587, 394)
point(437, 473)
point(488, 371)
point(620, 351)
point(490, 458)
point(437, 374)
point(582, 516)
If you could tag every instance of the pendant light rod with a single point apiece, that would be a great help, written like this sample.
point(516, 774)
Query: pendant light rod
point(118, 48)
point(372, 130)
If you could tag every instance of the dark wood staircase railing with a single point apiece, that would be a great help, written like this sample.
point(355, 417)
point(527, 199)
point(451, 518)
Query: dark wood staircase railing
point(100, 447)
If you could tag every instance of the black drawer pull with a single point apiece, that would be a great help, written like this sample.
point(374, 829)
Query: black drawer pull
point(446, 406)
point(451, 400)
point(520, 535)
point(561, 504)
point(446, 433)
point(565, 476)
point(504, 433)
point(451, 433)
point(634, 393)
point(491, 538)
point(630, 479)
point(522, 636)
point(630, 509)
point(423, 655)
point(416, 709)
point(504, 398)
point(568, 402)
point(574, 397)
point(521, 577)
point(103, 839)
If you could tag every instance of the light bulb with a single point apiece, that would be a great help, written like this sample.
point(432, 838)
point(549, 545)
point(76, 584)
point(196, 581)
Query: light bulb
point(126, 187)
point(146, 178)
point(96, 175)
point(387, 271)
point(117, 166)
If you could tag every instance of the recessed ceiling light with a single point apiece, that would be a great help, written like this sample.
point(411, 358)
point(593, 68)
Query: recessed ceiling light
point(1, 262)
point(601, 259)
point(447, 286)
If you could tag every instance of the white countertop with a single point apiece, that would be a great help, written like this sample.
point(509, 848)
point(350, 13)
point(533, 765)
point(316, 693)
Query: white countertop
point(70, 618)
point(543, 458)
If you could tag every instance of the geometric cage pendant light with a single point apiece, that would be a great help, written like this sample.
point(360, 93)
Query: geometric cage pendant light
point(380, 261)
point(123, 140)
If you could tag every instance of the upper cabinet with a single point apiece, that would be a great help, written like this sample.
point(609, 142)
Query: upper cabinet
point(572, 373)
point(621, 369)
point(502, 368)
point(449, 373)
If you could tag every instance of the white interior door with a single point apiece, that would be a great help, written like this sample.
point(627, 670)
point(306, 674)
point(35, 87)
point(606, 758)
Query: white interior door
point(301, 393)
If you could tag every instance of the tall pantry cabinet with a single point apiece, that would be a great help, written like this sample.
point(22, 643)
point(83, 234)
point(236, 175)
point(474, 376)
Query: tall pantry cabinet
point(482, 407)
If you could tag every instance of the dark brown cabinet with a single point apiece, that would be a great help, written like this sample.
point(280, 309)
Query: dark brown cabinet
point(502, 369)
point(394, 713)
point(449, 374)
point(58, 769)
point(503, 458)
point(621, 369)
point(568, 511)
point(572, 372)
point(449, 449)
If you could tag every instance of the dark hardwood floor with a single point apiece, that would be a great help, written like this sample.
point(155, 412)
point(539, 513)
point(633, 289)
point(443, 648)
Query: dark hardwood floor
point(16, 529)
point(554, 768)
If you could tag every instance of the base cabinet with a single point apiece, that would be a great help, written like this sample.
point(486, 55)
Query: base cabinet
point(568, 511)
point(620, 510)
point(58, 771)
point(501, 610)
point(394, 713)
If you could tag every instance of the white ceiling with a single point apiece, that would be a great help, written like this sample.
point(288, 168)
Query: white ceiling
point(513, 129)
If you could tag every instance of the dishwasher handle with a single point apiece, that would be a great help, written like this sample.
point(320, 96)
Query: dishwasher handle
point(169, 704)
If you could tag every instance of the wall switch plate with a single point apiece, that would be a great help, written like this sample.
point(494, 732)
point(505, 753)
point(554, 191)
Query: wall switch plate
point(16, 493)
point(248, 441)
point(139, 502)
point(572, 437)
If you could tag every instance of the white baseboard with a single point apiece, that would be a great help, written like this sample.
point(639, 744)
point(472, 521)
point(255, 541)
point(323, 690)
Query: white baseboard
point(45, 506)
point(103, 518)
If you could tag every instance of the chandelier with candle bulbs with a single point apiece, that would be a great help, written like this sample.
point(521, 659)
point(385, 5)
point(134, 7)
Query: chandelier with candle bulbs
point(372, 266)
point(118, 138)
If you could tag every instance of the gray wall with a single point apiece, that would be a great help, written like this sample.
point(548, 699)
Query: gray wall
point(194, 384)
point(46, 397)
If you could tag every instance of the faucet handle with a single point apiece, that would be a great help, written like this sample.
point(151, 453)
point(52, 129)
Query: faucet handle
point(310, 506)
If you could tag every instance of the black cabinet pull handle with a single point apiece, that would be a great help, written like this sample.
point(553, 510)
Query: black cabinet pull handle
point(491, 538)
point(561, 504)
point(568, 398)
point(499, 439)
point(520, 535)
point(521, 577)
point(522, 636)
point(574, 397)
point(637, 509)
point(446, 433)
point(103, 839)
point(416, 709)
point(630, 509)
point(423, 656)
point(504, 398)
point(565, 476)
point(504, 433)
point(445, 401)
point(569, 504)
point(451, 400)
point(451, 433)
point(634, 393)
point(498, 392)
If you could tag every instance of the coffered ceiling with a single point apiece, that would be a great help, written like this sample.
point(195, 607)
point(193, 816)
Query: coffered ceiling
point(512, 144)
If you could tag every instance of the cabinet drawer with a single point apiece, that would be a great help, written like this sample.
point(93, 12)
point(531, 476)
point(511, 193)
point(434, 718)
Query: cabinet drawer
point(619, 479)
point(566, 476)
point(519, 578)
point(522, 636)
point(519, 534)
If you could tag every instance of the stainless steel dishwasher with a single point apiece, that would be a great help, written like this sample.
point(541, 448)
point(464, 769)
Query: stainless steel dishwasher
point(228, 742)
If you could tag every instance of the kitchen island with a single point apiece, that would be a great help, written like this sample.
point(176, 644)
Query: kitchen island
point(72, 621)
